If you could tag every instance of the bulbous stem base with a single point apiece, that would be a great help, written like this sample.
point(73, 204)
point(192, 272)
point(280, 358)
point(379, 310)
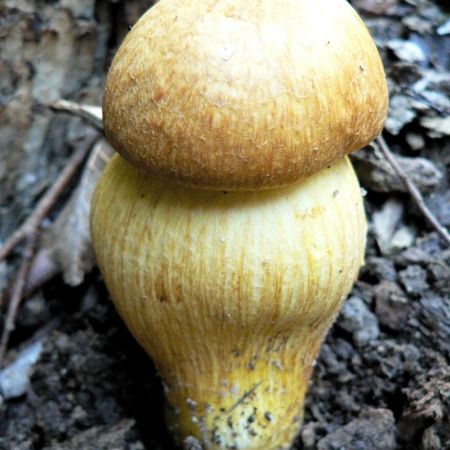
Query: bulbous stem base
point(253, 400)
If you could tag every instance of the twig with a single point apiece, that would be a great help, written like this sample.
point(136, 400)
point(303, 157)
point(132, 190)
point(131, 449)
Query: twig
point(412, 188)
point(92, 114)
point(244, 397)
point(29, 231)
point(47, 201)
point(17, 293)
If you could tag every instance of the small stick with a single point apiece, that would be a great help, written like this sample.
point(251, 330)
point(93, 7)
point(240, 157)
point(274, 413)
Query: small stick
point(47, 201)
point(412, 188)
point(244, 397)
point(92, 114)
point(17, 293)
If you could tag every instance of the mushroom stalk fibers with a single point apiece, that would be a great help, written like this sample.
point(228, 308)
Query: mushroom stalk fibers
point(230, 293)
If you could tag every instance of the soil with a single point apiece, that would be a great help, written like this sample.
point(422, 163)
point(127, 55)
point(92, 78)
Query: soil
point(382, 380)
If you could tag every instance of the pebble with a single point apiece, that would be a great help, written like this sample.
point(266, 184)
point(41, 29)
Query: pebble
point(373, 430)
point(414, 279)
point(401, 112)
point(438, 127)
point(403, 238)
point(439, 204)
point(391, 305)
point(385, 222)
point(15, 379)
point(308, 436)
point(415, 141)
point(380, 268)
point(357, 319)
point(444, 29)
point(413, 255)
point(191, 443)
point(34, 312)
point(407, 51)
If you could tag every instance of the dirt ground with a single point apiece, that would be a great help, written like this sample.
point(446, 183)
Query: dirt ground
point(79, 381)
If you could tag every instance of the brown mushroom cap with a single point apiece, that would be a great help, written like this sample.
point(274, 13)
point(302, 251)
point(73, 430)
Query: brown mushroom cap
point(243, 95)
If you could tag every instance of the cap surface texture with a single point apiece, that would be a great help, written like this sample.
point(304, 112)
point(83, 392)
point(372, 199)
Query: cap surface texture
point(244, 95)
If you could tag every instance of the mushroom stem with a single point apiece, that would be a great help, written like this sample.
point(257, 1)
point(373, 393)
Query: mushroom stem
point(231, 294)
point(246, 399)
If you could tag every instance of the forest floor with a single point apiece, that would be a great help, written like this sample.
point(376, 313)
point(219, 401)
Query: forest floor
point(74, 378)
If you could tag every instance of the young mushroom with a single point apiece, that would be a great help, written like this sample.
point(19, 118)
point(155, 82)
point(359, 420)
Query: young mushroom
point(231, 227)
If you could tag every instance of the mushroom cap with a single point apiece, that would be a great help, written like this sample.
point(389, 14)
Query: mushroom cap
point(226, 94)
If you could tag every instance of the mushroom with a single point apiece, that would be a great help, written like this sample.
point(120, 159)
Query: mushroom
point(230, 228)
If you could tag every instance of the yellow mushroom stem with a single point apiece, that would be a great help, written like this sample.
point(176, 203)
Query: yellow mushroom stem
point(230, 293)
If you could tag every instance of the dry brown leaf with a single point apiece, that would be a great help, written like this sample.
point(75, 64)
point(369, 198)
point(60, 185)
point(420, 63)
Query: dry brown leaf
point(68, 240)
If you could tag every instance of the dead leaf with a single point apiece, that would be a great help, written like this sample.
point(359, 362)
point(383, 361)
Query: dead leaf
point(68, 240)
